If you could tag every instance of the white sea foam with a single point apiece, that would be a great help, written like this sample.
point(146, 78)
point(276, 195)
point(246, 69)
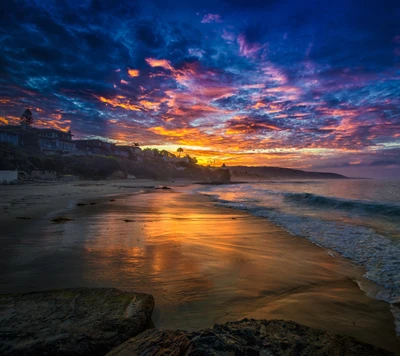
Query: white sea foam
point(379, 254)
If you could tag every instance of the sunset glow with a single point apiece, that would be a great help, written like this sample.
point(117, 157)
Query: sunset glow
point(279, 84)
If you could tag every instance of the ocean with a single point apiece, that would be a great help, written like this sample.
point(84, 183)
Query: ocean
point(357, 218)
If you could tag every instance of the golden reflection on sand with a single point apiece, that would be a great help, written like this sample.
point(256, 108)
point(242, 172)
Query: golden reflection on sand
point(206, 264)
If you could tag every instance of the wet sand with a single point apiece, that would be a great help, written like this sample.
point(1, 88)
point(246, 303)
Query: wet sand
point(36, 200)
point(202, 263)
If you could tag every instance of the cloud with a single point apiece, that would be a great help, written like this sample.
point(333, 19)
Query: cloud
point(133, 72)
point(248, 49)
point(163, 63)
point(211, 18)
point(242, 90)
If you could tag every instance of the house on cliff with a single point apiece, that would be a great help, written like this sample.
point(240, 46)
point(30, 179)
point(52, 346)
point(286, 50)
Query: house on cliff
point(132, 152)
point(10, 136)
point(52, 140)
point(47, 140)
point(95, 147)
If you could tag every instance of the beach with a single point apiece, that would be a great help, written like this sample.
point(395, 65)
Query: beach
point(203, 264)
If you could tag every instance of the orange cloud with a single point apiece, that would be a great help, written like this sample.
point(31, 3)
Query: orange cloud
point(117, 103)
point(9, 120)
point(150, 105)
point(259, 105)
point(160, 130)
point(133, 72)
point(152, 62)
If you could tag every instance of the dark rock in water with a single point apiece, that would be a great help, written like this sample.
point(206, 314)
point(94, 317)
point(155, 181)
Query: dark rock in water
point(246, 337)
point(164, 187)
point(79, 321)
point(81, 204)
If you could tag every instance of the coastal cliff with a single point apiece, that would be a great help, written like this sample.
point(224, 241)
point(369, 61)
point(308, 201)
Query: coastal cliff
point(249, 172)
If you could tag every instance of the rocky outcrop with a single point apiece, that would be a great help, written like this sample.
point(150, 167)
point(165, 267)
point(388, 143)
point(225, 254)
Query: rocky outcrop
point(245, 337)
point(217, 176)
point(221, 176)
point(76, 321)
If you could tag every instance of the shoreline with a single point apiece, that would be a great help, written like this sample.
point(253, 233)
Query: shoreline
point(166, 215)
point(34, 201)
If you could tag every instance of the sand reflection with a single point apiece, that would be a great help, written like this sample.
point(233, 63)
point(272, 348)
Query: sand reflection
point(203, 265)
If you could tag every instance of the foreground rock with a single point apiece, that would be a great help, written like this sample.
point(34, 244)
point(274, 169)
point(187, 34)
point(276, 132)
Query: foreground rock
point(246, 337)
point(76, 321)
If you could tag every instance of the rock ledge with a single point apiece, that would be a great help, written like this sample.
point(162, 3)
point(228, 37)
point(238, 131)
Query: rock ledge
point(245, 337)
point(79, 321)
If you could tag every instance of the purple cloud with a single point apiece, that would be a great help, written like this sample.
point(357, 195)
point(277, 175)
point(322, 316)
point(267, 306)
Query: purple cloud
point(211, 18)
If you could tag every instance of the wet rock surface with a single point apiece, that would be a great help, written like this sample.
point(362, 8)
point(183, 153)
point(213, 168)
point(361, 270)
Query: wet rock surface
point(77, 321)
point(245, 337)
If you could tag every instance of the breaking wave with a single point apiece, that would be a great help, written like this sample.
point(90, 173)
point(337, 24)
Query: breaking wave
point(359, 206)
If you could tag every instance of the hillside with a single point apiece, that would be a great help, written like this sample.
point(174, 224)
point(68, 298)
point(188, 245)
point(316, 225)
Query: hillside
point(29, 162)
point(245, 172)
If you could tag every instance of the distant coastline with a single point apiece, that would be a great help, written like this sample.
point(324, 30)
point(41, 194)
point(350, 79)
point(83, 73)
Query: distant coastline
point(269, 172)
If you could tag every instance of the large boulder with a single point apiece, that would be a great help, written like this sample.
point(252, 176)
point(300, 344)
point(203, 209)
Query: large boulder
point(77, 321)
point(245, 337)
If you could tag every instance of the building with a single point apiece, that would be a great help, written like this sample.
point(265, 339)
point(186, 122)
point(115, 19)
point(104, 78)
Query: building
point(47, 140)
point(128, 151)
point(52, 140)
point(148, 153)
point(170, 159)
point(10, 136)
point(137, 151)
point(122, 151)
point(95, 146)
point(183, 159)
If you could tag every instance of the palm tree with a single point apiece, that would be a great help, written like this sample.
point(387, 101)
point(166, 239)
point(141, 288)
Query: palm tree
point(179, 150)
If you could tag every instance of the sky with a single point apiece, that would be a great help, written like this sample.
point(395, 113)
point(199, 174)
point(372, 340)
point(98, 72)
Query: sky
point(313, 85)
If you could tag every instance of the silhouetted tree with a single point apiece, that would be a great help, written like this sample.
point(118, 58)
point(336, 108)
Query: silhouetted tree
point(179, 150)
point(191, 160)
point(27, 118)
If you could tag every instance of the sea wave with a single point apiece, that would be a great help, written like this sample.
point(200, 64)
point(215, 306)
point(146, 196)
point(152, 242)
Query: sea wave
point(388, 209)
point(378, 254)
